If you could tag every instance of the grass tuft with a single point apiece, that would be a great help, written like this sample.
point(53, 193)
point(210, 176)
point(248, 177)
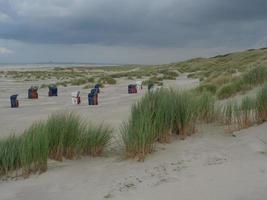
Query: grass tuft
point(63, 132)
point(160, 114)
point(9, 155)
point(63, 135)
point(261, 105)
point(138, 132)
point(94, 139)
point(34, 149)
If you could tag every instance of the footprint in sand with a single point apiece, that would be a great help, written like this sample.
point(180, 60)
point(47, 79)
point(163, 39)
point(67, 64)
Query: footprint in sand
point(154, 176)
point(178, 166)
point(215, 160)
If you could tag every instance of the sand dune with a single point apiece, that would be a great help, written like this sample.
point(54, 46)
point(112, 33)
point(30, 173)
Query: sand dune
point(209, 165)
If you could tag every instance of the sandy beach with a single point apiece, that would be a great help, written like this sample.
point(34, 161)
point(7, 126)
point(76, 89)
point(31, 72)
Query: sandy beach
point(209, 165)
point(114, 107)
point(133, 100)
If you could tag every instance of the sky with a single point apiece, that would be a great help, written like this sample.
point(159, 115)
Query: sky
point(128, 31)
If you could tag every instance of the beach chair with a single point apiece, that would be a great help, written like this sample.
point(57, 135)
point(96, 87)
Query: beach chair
point(32, 92)
point(90, 99)
point(97, 87)
point(93, 97)
point(132, 88)
point(139, 85)
point(52, 90)
point(76, 99)
point(14, 102)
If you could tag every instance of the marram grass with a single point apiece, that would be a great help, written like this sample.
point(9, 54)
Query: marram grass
point(247, 112)
point(138, 133)
point(185, 113)
point(154, 118)
point(239, 115)
point(9, 155)
point(206, 107)
point(160, 114)
point(62, 135)
point(34, 149)
point(229, 112)
point(261, 105)
point(94, 139)
point(63, 132)
point(254, 77)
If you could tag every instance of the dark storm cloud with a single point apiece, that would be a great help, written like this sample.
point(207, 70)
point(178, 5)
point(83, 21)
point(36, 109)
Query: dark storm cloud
point(161, 23)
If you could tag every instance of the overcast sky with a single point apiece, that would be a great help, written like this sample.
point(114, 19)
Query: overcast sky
point(128, 31)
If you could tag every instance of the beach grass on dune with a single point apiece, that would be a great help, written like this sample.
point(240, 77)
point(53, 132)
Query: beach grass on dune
point(239, 115)
point(160, 114)
point(62, 135)
point(34, 149)
point(156, 117)
point(228, 113)
point(206, 107)
point(94, 139)
point(163, 114)
point(243, 114)
point(69, 136)
point(254, 77)
point(261, 104)
point(138, 132)
point(247, 108)
point(63, 132)
point(208, 87)
point(9, 154)
point(185, 113)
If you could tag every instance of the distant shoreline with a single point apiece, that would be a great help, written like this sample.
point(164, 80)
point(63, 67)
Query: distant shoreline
point(51, 65)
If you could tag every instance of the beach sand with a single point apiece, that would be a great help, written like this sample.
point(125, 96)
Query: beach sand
point(209, 165)
point(114, 103)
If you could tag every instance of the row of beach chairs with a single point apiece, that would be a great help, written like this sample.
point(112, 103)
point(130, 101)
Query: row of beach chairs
point(53, 91)
point(76, 99)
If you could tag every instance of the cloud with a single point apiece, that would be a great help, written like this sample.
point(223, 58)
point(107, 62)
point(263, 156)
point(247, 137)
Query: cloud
point(5, 50)
point(82, 53)
point(4, 18)
point(151, 27)
point(152, 23)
